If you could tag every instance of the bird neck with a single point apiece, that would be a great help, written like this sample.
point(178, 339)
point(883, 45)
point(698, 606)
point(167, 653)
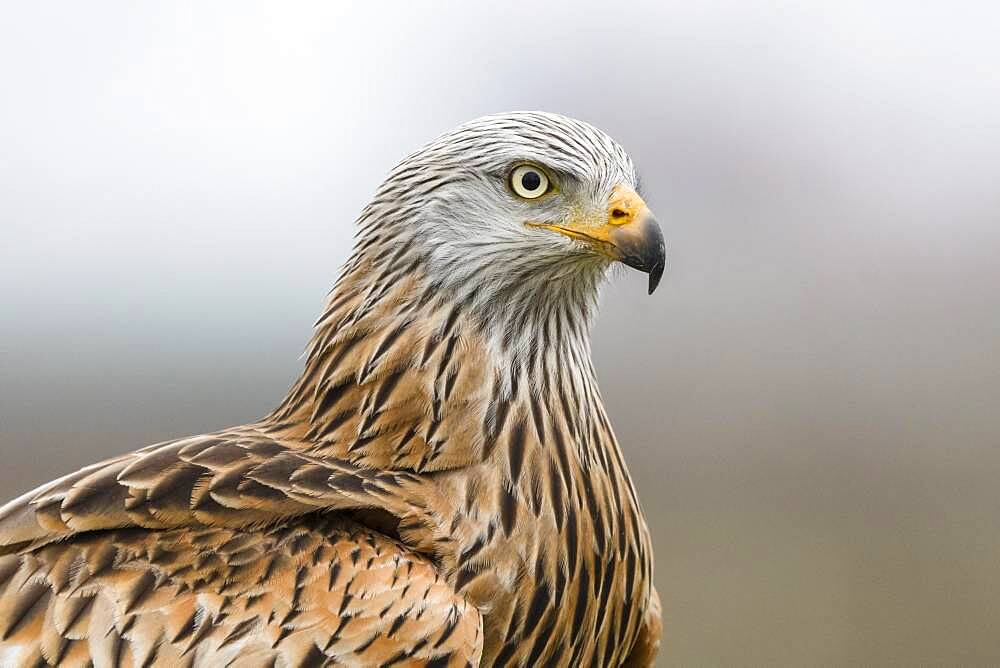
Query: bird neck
point(397, 352)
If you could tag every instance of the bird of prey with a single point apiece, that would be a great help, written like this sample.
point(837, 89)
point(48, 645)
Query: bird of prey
point(440, 487)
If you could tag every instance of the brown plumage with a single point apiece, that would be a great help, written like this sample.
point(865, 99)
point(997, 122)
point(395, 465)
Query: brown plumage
point(440, 487)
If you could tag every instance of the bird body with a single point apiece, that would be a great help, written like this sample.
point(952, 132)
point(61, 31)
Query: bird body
point(441, 486)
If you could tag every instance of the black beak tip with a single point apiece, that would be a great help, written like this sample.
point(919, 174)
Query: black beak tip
point(645, 250)
point(655, 274)
point(657, 266)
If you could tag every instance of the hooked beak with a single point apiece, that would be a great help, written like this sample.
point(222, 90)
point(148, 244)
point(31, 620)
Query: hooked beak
point(629, 234)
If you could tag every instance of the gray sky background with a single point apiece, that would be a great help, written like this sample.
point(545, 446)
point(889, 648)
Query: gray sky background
point(809, 404)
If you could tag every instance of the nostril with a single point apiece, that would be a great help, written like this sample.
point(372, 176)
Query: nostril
point(618, 213)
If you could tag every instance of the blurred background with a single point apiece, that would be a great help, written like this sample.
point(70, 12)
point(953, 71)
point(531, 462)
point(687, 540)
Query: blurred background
point(809, 404)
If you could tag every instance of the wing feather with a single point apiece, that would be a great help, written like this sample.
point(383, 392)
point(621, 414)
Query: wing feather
point(320, 591)
point(242, 477)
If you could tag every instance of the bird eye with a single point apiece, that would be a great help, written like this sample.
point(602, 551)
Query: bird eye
point(529, 182)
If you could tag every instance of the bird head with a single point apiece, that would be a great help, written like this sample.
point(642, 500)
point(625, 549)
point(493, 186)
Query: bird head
point(516, 207)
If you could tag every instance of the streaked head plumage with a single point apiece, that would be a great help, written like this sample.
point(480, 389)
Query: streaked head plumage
point(516, 204)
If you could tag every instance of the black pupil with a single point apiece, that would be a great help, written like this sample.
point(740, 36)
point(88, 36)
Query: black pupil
point(531, 181)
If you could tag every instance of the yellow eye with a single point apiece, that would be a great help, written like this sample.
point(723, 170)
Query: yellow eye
point(529, 182)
